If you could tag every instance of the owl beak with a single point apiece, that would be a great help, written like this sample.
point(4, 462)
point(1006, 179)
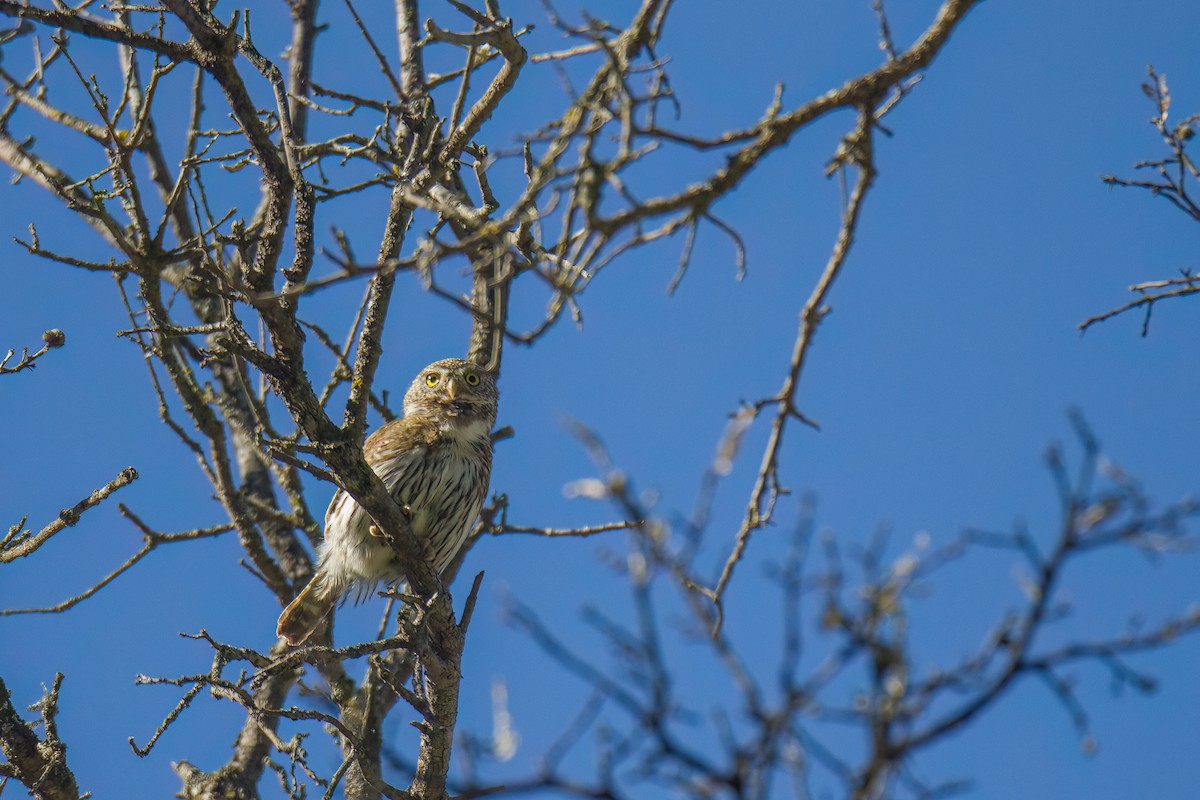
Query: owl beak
point(452, 388)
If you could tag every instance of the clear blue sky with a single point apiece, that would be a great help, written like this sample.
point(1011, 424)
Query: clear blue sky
point(946, 368)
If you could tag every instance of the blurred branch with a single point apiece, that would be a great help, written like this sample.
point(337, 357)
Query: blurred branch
point(904, 704)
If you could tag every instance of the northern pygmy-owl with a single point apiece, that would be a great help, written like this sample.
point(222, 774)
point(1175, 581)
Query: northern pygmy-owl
point(435, 461)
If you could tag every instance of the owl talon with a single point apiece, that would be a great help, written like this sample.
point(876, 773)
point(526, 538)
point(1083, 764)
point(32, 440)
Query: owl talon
point(378, 534)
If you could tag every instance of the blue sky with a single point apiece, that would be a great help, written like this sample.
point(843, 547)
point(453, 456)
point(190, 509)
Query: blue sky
point(947, 366)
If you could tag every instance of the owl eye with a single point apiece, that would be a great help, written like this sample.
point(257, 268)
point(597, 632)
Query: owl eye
point(472, 379)
point(432, 379)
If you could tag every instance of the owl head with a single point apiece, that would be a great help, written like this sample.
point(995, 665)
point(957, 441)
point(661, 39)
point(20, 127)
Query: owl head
point(454, 390)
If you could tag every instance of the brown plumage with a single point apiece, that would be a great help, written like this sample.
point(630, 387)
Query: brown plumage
point(435, 461)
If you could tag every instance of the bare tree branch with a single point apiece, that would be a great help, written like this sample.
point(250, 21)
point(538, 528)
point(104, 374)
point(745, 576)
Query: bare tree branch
point(18, 544)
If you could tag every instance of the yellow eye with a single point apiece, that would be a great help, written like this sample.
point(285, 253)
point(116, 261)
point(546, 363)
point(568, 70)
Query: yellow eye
point(472, 379)
point(432, 379)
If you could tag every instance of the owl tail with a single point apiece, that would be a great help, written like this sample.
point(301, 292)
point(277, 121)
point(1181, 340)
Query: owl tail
point(304, 614)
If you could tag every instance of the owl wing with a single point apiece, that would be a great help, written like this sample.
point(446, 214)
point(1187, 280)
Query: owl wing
point(400, 447)
point(393, 451)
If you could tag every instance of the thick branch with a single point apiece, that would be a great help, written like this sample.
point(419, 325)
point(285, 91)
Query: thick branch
point(39, 764)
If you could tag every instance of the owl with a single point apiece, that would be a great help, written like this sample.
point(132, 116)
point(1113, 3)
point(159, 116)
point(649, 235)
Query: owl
point(435, 461)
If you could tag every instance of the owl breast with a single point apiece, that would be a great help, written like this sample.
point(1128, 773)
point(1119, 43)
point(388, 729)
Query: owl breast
point(443, 496)
point(440, 485)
